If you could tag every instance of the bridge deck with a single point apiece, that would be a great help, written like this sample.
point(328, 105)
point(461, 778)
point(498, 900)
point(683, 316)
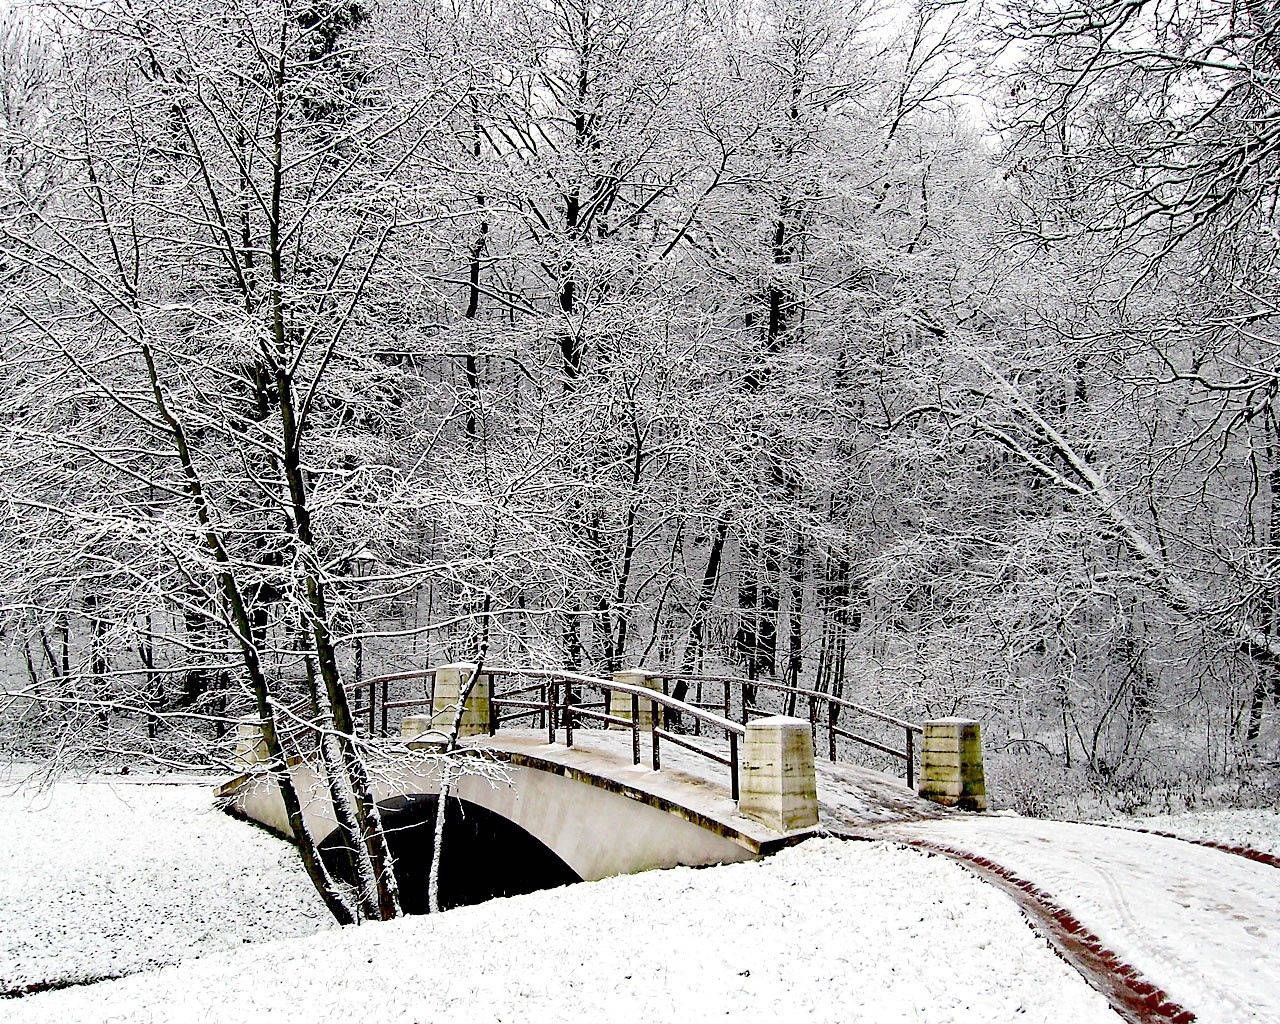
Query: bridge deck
point(850, 797)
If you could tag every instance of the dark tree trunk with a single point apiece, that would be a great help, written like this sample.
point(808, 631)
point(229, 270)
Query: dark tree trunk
point(696, 643)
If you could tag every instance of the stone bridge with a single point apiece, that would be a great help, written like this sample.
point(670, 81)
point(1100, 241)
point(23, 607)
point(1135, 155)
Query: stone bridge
point(571, 777)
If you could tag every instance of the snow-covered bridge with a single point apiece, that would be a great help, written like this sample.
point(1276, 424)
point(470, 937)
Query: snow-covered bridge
point(593, 777)
point(583, 778)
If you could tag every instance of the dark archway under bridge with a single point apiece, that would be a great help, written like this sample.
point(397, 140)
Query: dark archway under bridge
point(486, 856)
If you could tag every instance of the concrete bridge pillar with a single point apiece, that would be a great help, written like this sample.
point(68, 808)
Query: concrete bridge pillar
point(620, 702)
point(251, 747)
point(778, 783)
point(450, 681)
point(951, 764)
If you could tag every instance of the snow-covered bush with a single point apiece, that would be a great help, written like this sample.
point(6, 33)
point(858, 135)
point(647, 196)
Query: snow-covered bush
point(1032, 782)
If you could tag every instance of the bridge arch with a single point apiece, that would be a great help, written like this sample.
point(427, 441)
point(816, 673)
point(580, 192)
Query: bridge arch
point(593, 824)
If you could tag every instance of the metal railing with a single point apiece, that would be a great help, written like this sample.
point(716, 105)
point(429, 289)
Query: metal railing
point(552, 701)
point(383, 683)
point(834, 706)
point(558, 708)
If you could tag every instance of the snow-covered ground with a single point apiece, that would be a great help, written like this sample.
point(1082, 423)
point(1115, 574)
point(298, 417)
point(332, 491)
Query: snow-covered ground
point(827, 931)
point(1258, 828)
point(1201, 924)
point(101, 879)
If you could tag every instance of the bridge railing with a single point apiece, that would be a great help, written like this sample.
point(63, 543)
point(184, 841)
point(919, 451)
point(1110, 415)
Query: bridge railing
point(553, 699)
point(382, 683)
point(558, 707)
point(550, 702)
point(827, 721)
point(554, 703)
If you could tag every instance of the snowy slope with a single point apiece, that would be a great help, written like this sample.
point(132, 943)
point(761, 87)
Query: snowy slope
point(1201, 924)
point(825, 932)
point(1258, 827)
point(105, 879)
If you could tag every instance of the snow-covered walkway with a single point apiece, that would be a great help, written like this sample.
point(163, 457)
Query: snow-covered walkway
point(1255, 827)
point(1201, 924)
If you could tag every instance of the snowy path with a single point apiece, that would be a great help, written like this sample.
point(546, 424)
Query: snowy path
point(102, 879)
point(829, 931)
point(1201, 924)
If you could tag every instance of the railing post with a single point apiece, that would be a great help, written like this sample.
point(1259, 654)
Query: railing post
point(832, 709)
point(733, 765)
point(548, 696)
point(727, 732)
point(635, 729)
point(449, 682)
point(951, 764)
point(568, 713)
point(620, 705)
point(911, 759)
point(251, 747)
point(654, 718)
point(385, 690)
point(779, 782)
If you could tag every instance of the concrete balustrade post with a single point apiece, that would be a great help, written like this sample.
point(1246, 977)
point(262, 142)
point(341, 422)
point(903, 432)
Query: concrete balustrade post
point(951, 770)
point(620, 701)
point(415, 730)
point(430, 730)
point(779, 786)
point(251, 747)
point(450, 682)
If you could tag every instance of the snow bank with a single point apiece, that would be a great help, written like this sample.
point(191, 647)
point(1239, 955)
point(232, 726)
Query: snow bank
point(1258, 828)
point(828, 931)
point(105, 879)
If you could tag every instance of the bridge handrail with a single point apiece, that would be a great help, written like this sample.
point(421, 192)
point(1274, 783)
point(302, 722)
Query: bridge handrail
point(700, 714)
point(833, 703)
point(392, 677)
point(596, 682)
point(663, 699)
point(643, 692)
point(831, 698)
point(569, 710)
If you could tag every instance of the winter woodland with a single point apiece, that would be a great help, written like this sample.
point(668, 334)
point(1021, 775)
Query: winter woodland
point(924, 353)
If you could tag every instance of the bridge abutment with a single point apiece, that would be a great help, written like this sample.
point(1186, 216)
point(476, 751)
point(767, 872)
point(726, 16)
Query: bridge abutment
point(779, 783)
point(951, 764)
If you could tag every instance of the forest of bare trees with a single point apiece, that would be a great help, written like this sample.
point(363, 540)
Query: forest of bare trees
point(924, 353)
